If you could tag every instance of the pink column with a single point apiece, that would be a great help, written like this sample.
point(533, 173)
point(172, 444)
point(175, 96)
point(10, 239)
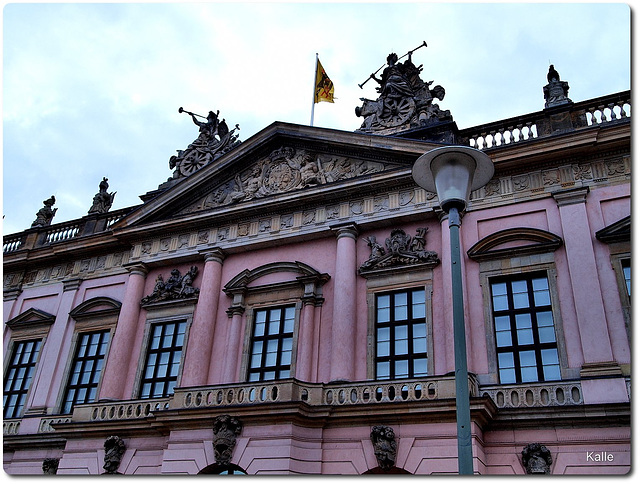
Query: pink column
point(583, 272)
point(344, 306)
point(443, 326)
point(305, 341)
point(119, 357)
point(234, 347)
point(199, 345)
point(43, 396)
point(602, 380)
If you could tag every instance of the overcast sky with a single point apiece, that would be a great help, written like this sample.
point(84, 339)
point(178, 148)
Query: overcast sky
point(93, 90)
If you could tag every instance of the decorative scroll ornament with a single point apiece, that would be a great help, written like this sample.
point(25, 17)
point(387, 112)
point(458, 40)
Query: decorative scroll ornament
point(214, 140)
point(102, 200)
point(285, 169)
point(536, 459)
point(400, 249)
point(114, 449)
point(555, 93)
point(405, 100)
point(45, 214)
point(225, 431)
point(176, 287)
point(384, 446)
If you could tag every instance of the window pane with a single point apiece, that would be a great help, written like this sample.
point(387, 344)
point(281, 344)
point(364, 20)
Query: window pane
point(503, 338)
point(547, 334)
point(420, 345)
point(402, 347)
point(500, 303)
point(401, 310)
point(420, 367)
point(541, 295)
point(285, 359)
point(384, 334)
point(520, 294)
point(384, 314)
point(420, 330)
point(418, 300)
point(259, 329)
point(527, 358)
point(402, 369)
point(382, 370)
point(384, 348)
point(502, 323)
point(529, 374)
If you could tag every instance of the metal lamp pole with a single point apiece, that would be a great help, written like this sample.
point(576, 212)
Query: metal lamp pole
point(453, 172)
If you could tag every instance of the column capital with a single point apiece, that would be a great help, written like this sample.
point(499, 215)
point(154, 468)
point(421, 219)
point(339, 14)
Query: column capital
point(345, 230)
point(71, 284)
point(214, 254)
point(137, 268)
point(571, 196)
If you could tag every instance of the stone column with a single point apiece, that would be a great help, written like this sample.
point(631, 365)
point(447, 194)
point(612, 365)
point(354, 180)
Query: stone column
point(344, 305)
point(305, 340)
point(443, 326)
point(199, 346)
point(602, 377)
point(234, 344)
point(43, 397)
point(119, 358)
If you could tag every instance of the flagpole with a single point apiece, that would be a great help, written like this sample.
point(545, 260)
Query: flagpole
point(313, 99)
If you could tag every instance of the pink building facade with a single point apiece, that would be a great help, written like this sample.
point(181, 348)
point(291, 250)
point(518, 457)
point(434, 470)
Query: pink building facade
point(286, 309)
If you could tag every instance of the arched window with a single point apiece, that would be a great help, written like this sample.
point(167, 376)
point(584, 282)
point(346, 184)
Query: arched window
point(223, 469)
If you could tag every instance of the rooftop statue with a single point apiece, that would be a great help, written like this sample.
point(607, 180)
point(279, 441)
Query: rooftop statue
point(46, 213)
point(555, 93)
point(405, 100)
point(102, 200)
point(214, 140)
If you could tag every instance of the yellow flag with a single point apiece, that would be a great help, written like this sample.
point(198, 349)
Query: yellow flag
point(324, 85)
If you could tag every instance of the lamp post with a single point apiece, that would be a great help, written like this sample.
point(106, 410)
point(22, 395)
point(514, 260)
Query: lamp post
point(453, 172)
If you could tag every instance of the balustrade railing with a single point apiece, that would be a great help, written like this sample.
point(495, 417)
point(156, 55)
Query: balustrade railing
point(598, 111)
point(546, 394)
point(64, 232)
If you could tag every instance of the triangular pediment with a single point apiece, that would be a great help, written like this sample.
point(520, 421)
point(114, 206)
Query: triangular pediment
point(619, 231)
point(30, 318)
point(284, 164)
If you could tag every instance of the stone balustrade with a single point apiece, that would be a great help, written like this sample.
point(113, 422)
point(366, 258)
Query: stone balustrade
point(598, 111)
point(548, 394)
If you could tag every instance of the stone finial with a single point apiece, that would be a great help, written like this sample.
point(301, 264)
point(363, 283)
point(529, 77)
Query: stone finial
point(225, 430)
point(50, 466)
point(114, 449)
point(46, 213)
point(102, 200)
point(384, 446)
point(536, 459)
point(555, 92)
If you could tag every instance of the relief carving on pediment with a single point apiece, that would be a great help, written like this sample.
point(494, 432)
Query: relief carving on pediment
point(284, 170)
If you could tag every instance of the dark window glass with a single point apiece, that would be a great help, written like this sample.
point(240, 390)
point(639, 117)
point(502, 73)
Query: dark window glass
point(19, 375)
point(272, 343)
point(401, 335)
point(163, 359)
point(525, 333)
point(626, 272)
point(86, 369)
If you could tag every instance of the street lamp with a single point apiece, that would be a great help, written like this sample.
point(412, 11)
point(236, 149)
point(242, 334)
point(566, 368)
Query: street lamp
point(453, 172)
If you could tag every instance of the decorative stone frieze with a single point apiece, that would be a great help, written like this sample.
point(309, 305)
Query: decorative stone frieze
point(225, 431)
point(114, 449)
point(536, 459)
point(284, 170)
point(384, 446)
point(176, 287)
point(401, 249)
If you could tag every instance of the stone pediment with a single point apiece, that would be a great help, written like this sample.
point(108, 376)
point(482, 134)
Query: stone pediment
point(285, 169)
point(283, 163)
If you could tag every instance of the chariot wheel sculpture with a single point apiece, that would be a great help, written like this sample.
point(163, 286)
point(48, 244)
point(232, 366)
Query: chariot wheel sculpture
point(193, 162)
point(397, 111)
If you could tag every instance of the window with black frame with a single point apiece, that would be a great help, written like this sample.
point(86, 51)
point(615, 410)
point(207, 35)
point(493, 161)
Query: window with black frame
point(86, 369)
point(19, 375)
point(401, 335)
point(526, 345)
point(272, 343)
point(626, 273)
point(162, 363)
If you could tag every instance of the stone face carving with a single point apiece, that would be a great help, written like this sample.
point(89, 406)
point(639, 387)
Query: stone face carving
point(50, 466)
point(215, 139)
point(384, 446)
point(176, 287)
point(405, 100)
point(102, 200)
point(285, 169)
point(46, 213)
point(536, 459)
point(114, 449)
point(225, 431)
point(555, 93)
point(399, 249)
